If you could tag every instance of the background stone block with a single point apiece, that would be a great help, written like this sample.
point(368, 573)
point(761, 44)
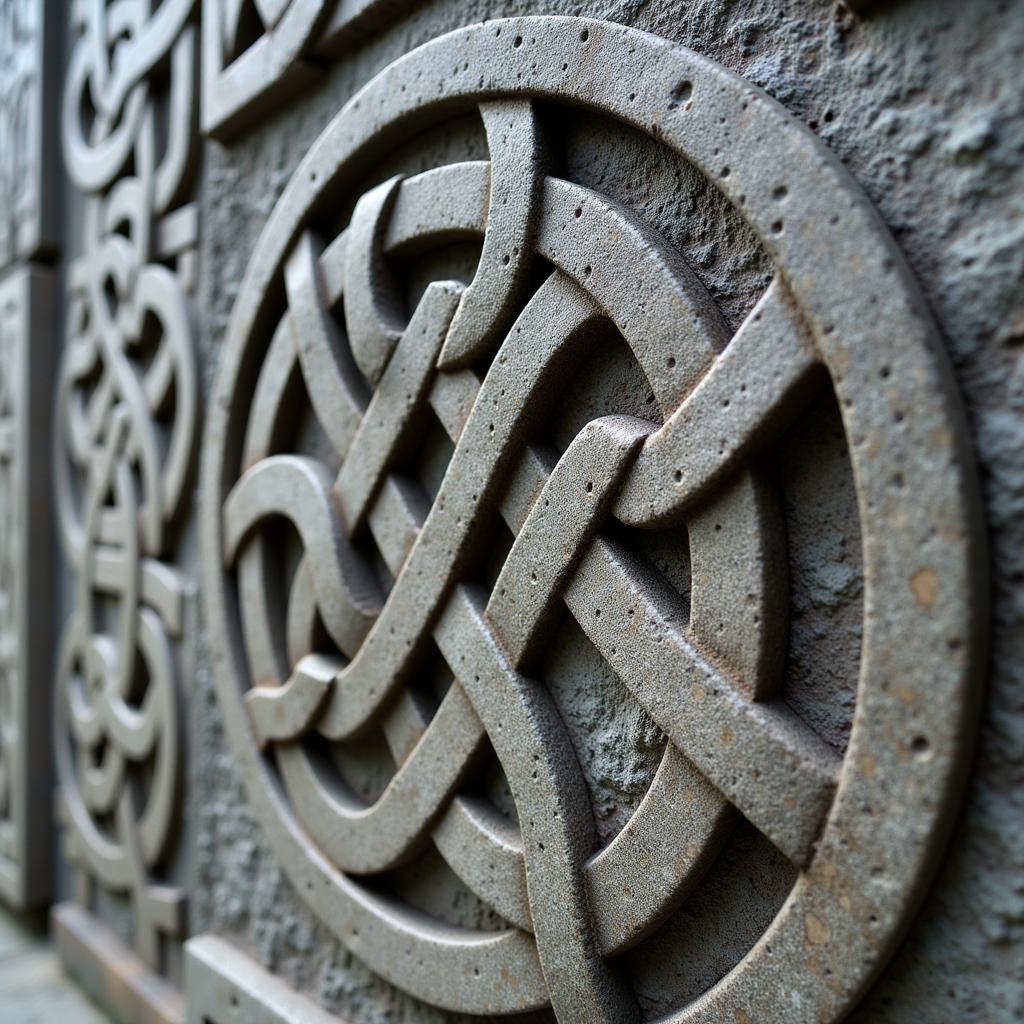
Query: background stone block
point(27, 347)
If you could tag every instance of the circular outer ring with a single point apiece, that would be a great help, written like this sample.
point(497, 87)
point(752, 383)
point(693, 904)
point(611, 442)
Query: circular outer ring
point(924, 606)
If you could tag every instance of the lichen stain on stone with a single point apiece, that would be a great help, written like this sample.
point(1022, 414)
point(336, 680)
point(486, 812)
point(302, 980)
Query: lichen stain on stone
point(925, 586)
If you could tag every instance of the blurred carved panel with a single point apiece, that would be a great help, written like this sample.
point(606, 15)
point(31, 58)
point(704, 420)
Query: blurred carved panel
point(127, 424)
point(28, 166)
point(26, 592)
point(259, 53)
point(416, 476)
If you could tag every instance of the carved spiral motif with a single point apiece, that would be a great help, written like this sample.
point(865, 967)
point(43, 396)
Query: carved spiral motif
point(127, 419)
point(333, 577)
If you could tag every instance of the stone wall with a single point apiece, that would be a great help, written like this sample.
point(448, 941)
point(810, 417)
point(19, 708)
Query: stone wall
point(745, 704)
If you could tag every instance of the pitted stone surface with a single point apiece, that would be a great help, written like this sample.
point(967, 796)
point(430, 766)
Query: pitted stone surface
point(390, 602)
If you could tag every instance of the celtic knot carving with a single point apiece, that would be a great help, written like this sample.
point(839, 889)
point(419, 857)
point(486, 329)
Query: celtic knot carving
point(353, 593)
point(257, 52)
point(127, 421)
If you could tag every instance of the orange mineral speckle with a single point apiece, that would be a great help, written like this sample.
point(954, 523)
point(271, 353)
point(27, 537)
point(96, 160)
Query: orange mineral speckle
point(906, 694)
point(925, 586)
point(816, 931)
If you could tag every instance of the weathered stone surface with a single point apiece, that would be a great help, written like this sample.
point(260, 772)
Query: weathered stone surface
point(808, 59)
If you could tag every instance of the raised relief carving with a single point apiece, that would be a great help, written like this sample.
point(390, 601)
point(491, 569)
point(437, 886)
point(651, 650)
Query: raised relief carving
point(26, 593)
point(259, 52)
point(27, 217)
point(402, 503)
point(127, 421)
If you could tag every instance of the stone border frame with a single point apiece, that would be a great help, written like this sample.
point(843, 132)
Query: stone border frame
point(223, 985)
point(287, 59)
point(26, 879)
point(924, 570)
point(109, 972)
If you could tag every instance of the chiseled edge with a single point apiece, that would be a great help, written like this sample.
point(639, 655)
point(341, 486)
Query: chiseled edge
point(223, 986)
point(26, 879)
point(110, 973)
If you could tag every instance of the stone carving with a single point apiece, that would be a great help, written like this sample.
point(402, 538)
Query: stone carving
point(260, 51)
point(27, 222)
point(26, 298)
point(224, 985)
point(127, 421)
point(353, 593)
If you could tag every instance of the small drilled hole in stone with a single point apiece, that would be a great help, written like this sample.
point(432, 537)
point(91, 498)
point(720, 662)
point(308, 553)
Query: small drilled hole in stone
point(587, 271)
point(584, 36)
point(579, 212)
point(679, 476)
point(725, 172)
point(777, 227)
point(920, 746)
point(780, 193)
point(683, 91)
point(671, 362)
point(517, 42)
point(590, 486)
point(884, 372)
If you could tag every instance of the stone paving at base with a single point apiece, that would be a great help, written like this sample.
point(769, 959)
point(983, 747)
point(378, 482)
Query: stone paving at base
point(33, 989)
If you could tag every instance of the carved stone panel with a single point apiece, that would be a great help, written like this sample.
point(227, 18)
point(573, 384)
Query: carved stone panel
point(127, 422)
point(414, 477)
point(26, 592)
point(28, 222)
point(258, 53)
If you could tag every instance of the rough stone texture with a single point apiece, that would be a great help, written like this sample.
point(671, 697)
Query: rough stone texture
point(922, 102)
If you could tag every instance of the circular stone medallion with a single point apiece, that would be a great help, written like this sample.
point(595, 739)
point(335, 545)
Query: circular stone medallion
point(408, 494)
